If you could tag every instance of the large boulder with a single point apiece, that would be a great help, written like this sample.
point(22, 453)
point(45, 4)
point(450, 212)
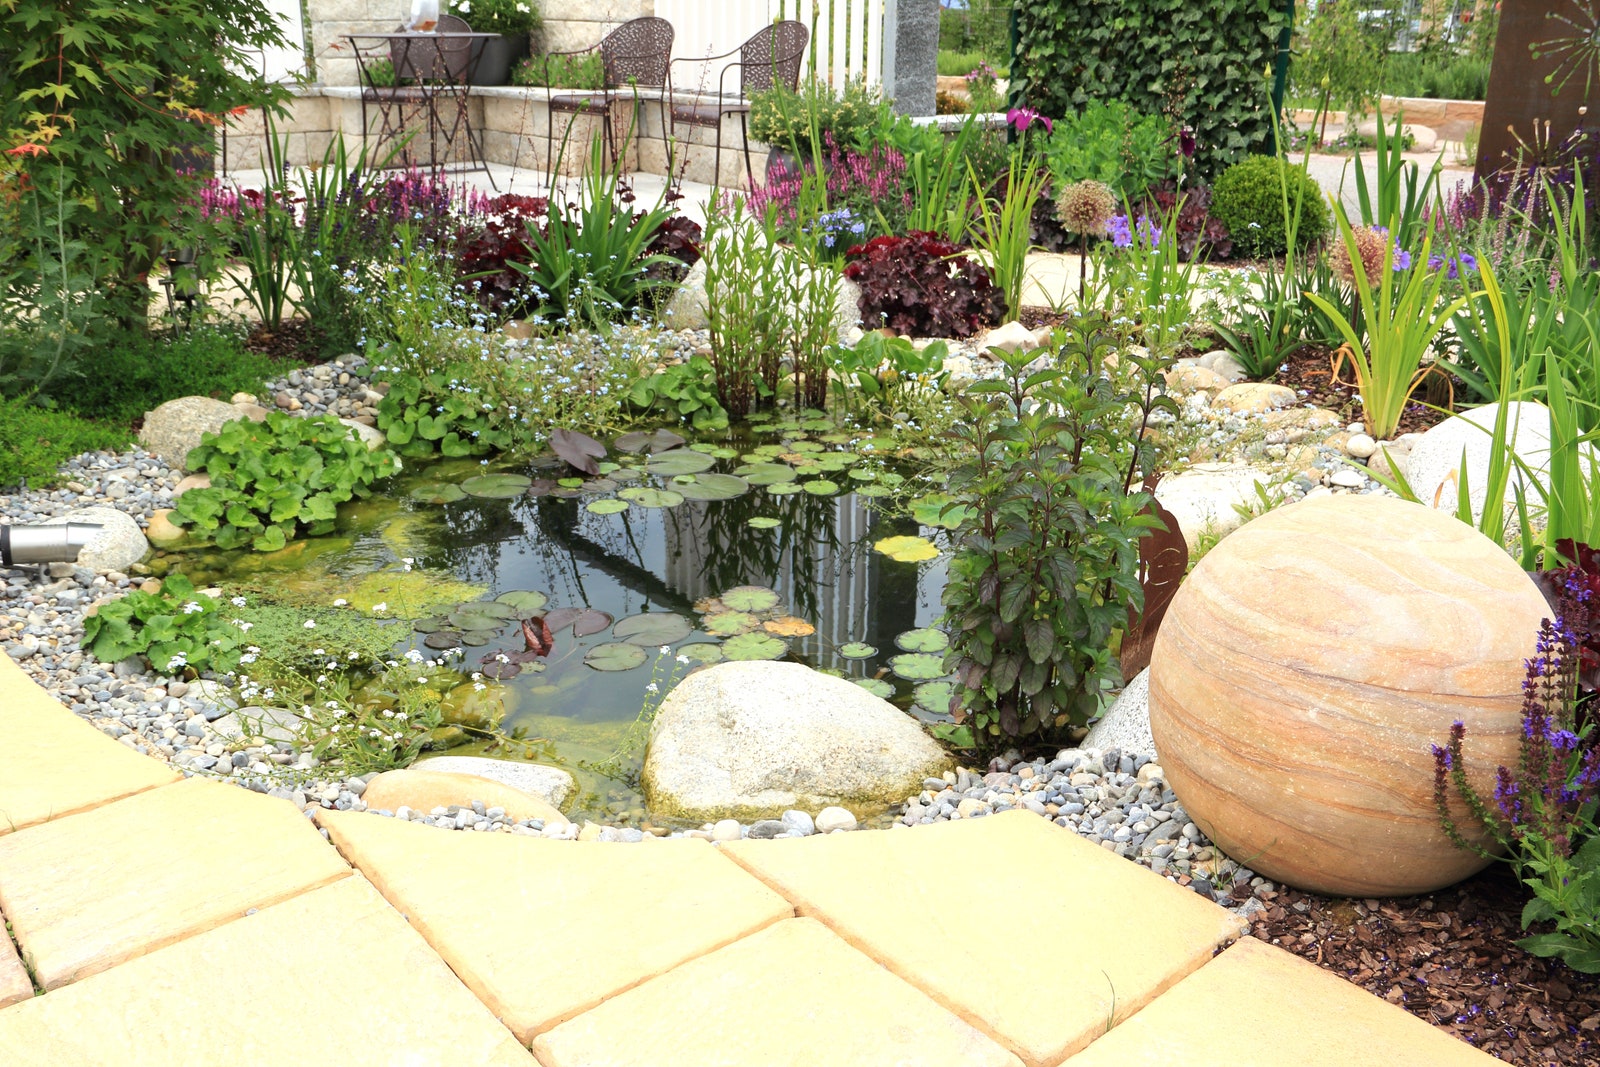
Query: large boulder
point(422, 789)
point(174, 428)
point(118, 545)
point(744, 740)
point(1434, 465)
point(1306, 667)
point(550, 783)
point(1206, 498)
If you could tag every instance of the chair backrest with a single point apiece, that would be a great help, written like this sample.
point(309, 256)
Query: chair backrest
point(637, 53)
point(773, 56)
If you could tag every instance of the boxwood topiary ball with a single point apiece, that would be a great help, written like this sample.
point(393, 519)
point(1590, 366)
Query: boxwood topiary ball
point(1248, 199)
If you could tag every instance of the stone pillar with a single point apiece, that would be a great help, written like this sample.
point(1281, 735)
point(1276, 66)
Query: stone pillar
point(911, 54)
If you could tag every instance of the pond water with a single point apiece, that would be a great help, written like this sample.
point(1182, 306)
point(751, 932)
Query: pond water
point(782, 564)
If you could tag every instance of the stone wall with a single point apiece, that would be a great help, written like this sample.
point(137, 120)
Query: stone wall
point(573, 24)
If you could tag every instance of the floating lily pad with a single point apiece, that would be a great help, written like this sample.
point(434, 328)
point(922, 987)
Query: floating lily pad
point(711, 487)
point(626, 474)
point(917, 666)
point(477, 638)
point(500, 670)
point(783, 488)
point(616, 656)
point(872, 489)
point(701, 653)
point(750, 598)
point(821, 487)
point(608, 506)
point(653, 628)
point(589, 621)
point(597, 486)
point(523, 602)
point(730, 623)
point(495, 609)
point(926, 639)
point(679, 462)
point(607, 467)
point(857, 650)
point(646, 497)
point(769, 450)
point(805, 446)
point(890, 478)
point(863, 474)
point(570, 483)
point(472, 620)
point(763, 522)
point(935, 696)
point(930, 511)
point(816, 425)
point(430, 624)
point(907, 549)
point(765, 473)
point(754, 646)
point(443, 639)
point(437, 493)
point(579, 450)
point(496, 486)
point(788, 626)
point(876, 686)
point(639, 441)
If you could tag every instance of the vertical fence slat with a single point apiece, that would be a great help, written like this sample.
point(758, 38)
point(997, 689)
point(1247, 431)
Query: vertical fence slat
point(846, 35)
point(872, 62)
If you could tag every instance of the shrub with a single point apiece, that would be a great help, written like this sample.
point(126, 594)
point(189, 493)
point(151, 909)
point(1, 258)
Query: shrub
point(1110, 142)
point(787, 119)
point(511, 18)
point(485, 256)
point(1249, 200)
point(453, 412)
point(562, 72)
point(269, 479)
point(35, 441)
point(173, 628)
point(922, 285)
point(134, 373)
point(948, 103)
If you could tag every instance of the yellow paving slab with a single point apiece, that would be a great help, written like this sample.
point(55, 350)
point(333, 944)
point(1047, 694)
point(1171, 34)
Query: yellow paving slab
point(333, 976)
point(1110, 934)
point(53, 763)
point(15, 984)
point(91, 890)
point(542, 930)
point(1259, 1006)
point(793, 995)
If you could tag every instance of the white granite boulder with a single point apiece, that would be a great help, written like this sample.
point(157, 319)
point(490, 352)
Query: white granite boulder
point(1126, 723)
point(1203, 497)
point(550, 783)
point(174, 428)
point(1434, 464)
point(118, 545)
point(746, 740)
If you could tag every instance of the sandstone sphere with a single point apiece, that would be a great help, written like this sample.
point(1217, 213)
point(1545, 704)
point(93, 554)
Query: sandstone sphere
point(1307, 666)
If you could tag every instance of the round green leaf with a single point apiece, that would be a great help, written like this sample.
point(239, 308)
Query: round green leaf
point(712, 487)
point(820, 487)
point(494, 609)
point(765, 473)
point(617, 656)
point(907, 549)
point(478, 638)
point(750, 598)
point(524, 602)
point(784, 488)
point(763, 522)
point(639, 441)
point(682, 461)
point(863, 474)
point(701, 653)
point(872, 489)
point(805, 446)
point(437, 493)
point(927, 639)
point(857, 650)
point(754, 646)
point(935, 696)
point(917, 666)
point(653, 628)
point(430, 624)
point(730, 623)
point(496, 486)
point(646, 497)
point(876, 686)
point(443, 639)
point(608, 506)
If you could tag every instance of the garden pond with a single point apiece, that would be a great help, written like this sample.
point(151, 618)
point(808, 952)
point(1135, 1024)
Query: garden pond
point(583, 599)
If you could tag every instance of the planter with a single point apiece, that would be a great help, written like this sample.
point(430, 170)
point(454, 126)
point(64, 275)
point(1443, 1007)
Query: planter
point(497, 57)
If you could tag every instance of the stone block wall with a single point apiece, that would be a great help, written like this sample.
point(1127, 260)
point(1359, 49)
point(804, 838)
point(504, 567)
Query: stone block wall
point(330, 20)
point(573, 24)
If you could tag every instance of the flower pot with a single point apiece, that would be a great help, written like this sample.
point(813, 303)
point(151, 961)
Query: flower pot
point(497, 57)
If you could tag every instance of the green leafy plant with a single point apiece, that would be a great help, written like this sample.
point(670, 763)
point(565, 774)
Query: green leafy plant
point(48, 290)
point(586, 71)
point(876, 376)
point(1336, 56)
point(800, 120)
point(685, 391)
point(271, 479)
point(745, 268)
point(1005, 226)
point(174, 628)
point(1046, 558)
point(380, 74)
point(1151, 280)
point(443, 413)
point(1250, 197)
point(1107, 141)
point(1402, 313)
point(35, 441)
point(1402, 196)
point(509, 18)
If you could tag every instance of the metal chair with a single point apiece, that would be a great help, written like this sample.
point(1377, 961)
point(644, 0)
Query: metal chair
point(636, 55)
point(771, 57)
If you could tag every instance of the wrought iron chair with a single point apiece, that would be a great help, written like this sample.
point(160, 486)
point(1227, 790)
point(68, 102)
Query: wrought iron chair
point(636, 55)
point(771, 57)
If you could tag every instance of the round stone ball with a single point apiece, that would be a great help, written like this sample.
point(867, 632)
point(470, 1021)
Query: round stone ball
point(1306, 668)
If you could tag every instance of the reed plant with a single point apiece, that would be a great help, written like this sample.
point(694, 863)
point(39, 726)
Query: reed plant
point(1004, 229)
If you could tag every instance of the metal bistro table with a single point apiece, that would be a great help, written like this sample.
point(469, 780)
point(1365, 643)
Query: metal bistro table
point(439, 66)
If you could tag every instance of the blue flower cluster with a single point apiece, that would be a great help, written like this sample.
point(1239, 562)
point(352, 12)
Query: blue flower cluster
point(834, 225)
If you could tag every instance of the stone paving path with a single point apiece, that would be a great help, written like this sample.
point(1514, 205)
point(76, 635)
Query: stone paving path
point(161, 922)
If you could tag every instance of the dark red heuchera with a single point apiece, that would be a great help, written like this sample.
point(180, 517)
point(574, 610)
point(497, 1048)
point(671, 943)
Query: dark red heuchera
point(923, 286)
point(1198, 232)
point(485, 256)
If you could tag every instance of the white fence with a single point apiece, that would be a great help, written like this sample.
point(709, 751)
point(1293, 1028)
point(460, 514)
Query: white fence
point(847, 36)
point(289, 62)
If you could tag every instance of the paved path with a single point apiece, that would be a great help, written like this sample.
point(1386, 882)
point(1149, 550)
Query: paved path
point(167, 923)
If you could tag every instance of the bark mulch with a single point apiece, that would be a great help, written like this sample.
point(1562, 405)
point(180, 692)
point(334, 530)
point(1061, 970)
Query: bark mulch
point(1310, 368)
point(1449, 958)
point(292, 340)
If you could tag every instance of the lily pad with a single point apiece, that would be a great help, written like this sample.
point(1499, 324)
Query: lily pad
point(783, 488)
point(495, 609)
point(872, 489)
point(590, 621)
point(579, 450)
point(768, 450)
point(638, 441)
point(646, 497)
point(477, 638)
point(711, 487)
point(789, 626)
point(821, 487)
point(701, 653)
point(653, 628)
point(443, 639)
point(876, 686)
point(930, 511)
point(570, 483)
point(805, 446)
point(765, 473)
point(754, 646)
point(857, 650)
point(730, 623)
point(750, 598)
point(496, 486)
point(926, 639)
point(608, 506)
point(917, 666)
point(500, 670)
point(863, 474)
point(907, 549)
point(616, 656)
point(681, 461)
point(935, 696)
point(437, 493)
point(472, 620)
point(763, 522)
point(523, 602)
point(430, 624)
